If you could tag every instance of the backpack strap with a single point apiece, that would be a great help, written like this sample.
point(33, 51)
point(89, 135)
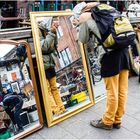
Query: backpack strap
point(100, 41)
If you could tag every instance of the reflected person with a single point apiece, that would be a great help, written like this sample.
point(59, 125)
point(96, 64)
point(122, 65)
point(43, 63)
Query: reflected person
point(12, 104)
point(48, 38)
point(5, 92)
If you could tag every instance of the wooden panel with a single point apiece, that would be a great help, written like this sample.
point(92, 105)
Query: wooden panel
point(17, 33)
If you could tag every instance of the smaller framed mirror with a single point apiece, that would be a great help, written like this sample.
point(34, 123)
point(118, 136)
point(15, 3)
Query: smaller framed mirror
point(20, 112)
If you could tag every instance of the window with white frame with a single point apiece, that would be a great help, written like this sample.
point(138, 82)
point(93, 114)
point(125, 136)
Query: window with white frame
point(65, 58)
point(59, 32)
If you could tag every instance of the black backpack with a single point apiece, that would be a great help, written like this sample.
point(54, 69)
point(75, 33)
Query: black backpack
point(116, 30)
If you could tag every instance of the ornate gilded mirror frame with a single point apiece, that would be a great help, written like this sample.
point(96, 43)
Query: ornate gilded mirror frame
point(50, 120)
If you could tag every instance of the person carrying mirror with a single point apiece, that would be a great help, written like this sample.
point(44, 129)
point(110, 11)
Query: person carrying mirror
point(114, 70)
point(12, 104)
point(48, 38)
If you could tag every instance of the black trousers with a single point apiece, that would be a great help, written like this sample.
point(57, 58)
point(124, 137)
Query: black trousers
point(15, 115)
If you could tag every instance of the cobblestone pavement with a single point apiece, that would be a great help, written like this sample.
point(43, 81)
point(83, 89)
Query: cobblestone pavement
point(78, 127)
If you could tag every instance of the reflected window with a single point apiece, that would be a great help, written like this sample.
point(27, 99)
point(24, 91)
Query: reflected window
point(59, 32)
point(65, 58)
point(68, 54)
point(61, 61)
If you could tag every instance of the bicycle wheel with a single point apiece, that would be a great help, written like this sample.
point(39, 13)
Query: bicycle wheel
point(96, 74)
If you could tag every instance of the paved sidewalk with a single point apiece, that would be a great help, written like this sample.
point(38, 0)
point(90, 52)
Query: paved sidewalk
point(78, 127)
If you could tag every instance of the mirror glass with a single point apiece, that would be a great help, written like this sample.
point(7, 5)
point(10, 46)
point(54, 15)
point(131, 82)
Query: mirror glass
point(95, 71)
point(62, 66)
point(18, 109)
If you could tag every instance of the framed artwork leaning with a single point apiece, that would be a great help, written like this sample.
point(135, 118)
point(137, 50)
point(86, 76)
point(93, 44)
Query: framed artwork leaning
point(15, 87)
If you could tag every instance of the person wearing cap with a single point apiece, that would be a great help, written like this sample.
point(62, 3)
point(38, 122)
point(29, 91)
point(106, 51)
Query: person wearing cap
point(114, 70)
point(12, 104)
point(5, 91)
point(49, 43)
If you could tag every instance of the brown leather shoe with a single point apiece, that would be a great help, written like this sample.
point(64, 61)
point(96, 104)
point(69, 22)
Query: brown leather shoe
point(117, 125)
point(100, 124)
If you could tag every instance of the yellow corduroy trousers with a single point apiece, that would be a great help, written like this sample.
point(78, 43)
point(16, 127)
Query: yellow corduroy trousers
point(117, 87)
point(54, 97)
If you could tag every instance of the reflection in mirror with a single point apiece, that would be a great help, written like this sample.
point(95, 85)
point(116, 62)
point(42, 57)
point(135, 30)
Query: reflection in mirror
point(95, 68)
point(18, 110)
point(64, 67)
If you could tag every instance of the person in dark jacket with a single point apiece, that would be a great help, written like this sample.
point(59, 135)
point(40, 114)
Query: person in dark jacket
point(12, 104)
point(114, 70)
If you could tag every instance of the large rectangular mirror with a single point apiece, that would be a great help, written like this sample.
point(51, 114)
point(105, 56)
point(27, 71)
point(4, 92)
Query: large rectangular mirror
point(62, 65)
point(20, 113)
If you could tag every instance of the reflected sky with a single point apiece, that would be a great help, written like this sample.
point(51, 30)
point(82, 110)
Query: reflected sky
point(5, 48)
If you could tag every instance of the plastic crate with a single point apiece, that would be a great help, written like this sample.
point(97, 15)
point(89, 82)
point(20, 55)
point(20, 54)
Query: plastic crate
point(79, 96)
